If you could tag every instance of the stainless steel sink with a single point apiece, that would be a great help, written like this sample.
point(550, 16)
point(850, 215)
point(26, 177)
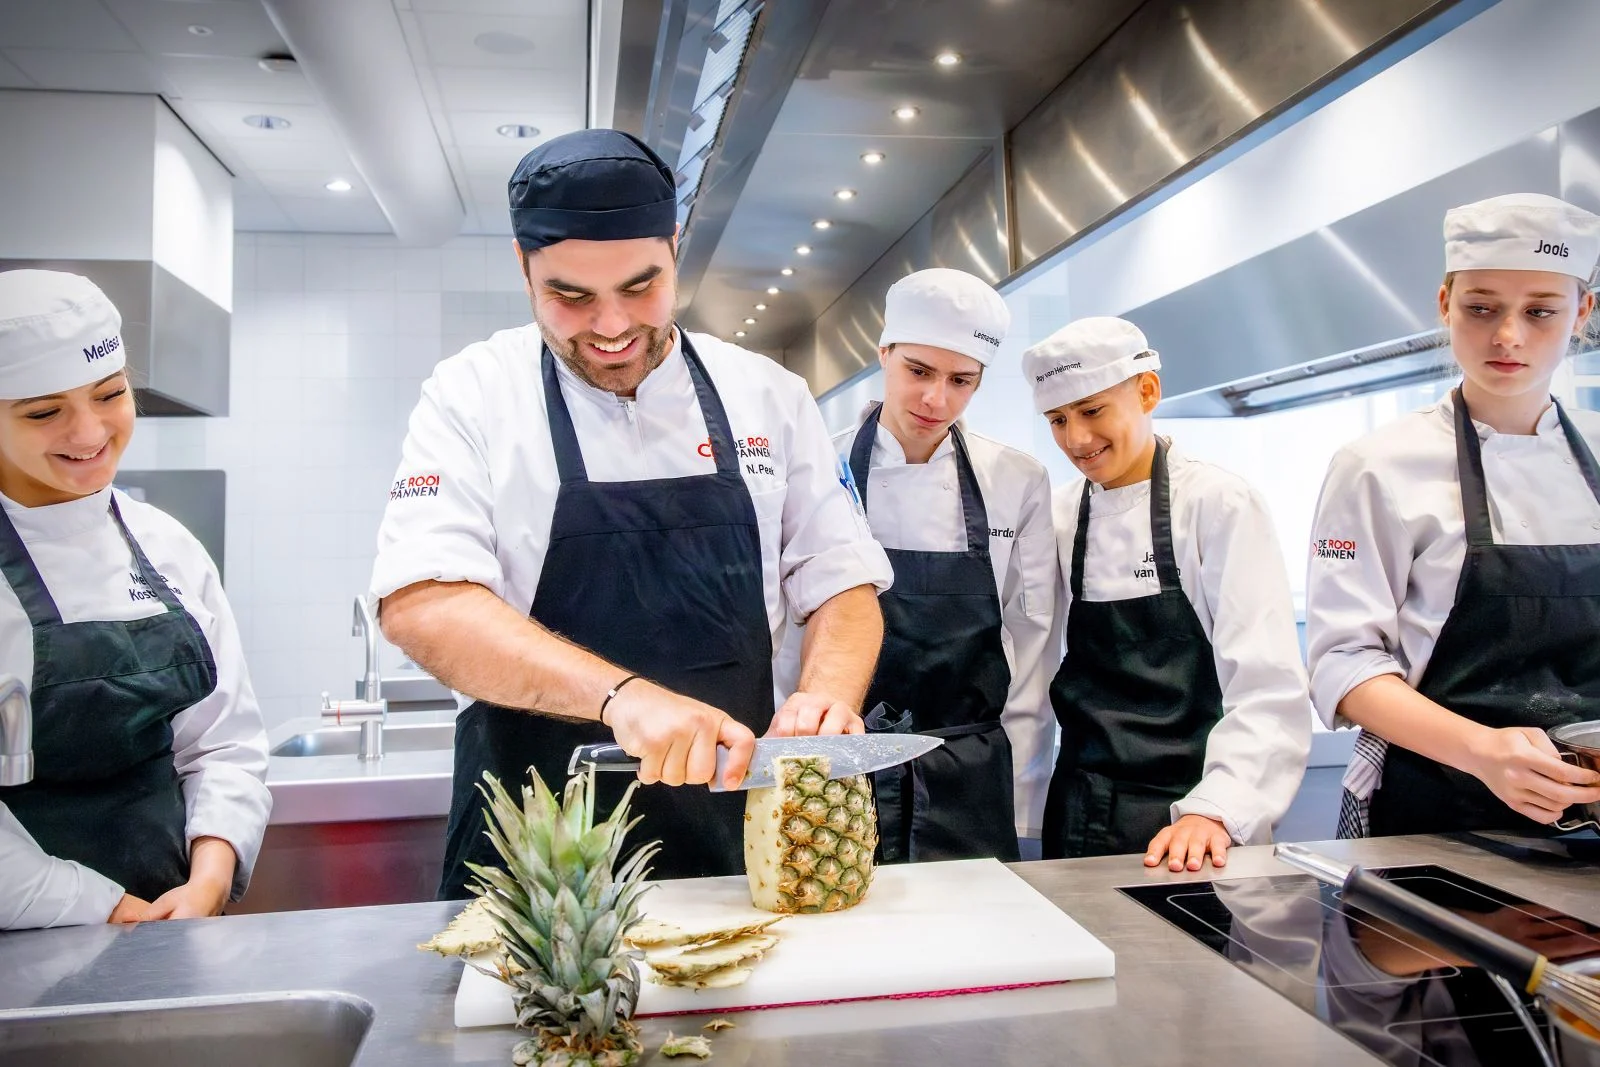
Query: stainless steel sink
point(344, 740)
point(257, 1030)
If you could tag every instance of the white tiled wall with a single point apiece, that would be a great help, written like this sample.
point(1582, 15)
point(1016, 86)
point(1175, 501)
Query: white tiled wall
point(332, 339)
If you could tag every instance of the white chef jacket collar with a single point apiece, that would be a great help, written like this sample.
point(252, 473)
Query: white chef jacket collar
point(52, 521)
point(666, 378)
point(1549, 424)
point(1126, 497)
point(886, 450)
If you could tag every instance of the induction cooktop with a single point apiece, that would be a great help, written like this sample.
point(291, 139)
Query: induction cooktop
point(1398, 996)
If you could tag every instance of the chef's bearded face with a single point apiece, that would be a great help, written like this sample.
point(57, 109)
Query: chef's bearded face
point(605, 307)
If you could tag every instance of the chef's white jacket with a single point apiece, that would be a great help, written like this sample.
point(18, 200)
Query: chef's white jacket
point(219, 745)
point(475, 492)
point(1389, 539)
point(1231, 569)
point(917, 507)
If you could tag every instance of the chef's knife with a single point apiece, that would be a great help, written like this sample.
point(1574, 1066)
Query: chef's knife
point(847, 754)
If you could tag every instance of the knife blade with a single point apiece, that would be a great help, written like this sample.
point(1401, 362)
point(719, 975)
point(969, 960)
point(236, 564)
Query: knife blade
point(847, 754)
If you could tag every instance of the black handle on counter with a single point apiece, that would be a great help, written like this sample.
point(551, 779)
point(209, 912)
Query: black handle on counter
point(1487, 949)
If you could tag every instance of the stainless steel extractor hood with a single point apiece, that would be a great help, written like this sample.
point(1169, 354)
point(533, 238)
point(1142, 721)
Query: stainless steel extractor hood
point(177, 338)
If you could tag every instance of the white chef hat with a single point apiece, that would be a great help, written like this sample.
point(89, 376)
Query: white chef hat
point(57, 332)
point(946, 308)
point(1083, 358)
point(1522, 231)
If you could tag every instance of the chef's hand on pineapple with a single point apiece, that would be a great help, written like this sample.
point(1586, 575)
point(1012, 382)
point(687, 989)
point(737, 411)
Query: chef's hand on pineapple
point(1187, 841)
point(813, 714)
point(675, 738)
point(1523, 767)
point(211, 864)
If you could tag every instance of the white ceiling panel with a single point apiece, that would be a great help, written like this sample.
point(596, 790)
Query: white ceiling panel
point(231, 78)
point(258, 211)
point(507, 43)
point(11, 77)
point(531, 8)
point(310, 184)
point(495, 161)
point(469, 89)
point(321, 215)
point(161, 27)
point(94, 72)
point(227, 118)
point(258, 156)
point(477, 128)
point(77, 25)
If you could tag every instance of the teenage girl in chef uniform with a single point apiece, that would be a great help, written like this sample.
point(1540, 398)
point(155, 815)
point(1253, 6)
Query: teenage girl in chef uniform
point(147, 799)
point(1453, 599)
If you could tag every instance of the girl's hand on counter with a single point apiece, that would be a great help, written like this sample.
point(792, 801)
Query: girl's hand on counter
point(211, 864)
point(130, 909)
point(1188, 840)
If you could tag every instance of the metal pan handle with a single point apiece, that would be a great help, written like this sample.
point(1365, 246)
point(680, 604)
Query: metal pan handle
point(1568, 825)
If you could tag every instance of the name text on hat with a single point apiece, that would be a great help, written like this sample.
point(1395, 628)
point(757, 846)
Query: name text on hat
point(980, 335)
point(1053, 371)
point(102, 350)
point(1545, 248)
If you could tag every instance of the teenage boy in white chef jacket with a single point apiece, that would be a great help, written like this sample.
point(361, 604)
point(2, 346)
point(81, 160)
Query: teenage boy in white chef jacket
point(1182, 699)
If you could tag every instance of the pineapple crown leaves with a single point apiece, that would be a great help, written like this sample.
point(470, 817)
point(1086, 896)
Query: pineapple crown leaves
point(560, 903)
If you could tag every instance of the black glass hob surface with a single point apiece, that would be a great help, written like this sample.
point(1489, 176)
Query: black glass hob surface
point(1398, 996)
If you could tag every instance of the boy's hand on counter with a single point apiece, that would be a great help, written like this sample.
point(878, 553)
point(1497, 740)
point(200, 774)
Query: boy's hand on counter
point(1188, 841)
point(211, 865)
point(130, 909)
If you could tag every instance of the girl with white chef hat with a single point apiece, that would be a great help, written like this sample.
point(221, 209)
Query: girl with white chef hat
point(147, 798)
point(1185, 718)
point(1453, 598)
point(965, 522)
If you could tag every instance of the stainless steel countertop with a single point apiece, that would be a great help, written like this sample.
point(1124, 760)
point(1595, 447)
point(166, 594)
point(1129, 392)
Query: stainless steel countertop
point(1173, 1001)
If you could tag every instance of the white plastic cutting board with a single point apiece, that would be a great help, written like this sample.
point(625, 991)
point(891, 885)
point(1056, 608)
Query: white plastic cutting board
point(924, 929)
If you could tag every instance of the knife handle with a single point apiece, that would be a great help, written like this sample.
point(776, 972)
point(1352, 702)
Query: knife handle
point(607, 756)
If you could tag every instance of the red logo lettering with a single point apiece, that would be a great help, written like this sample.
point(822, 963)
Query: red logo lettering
point(705, 449)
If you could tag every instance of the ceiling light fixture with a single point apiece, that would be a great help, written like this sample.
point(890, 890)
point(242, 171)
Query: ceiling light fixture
point(201, 31)
point(907, 113)
point(278, 64)
point(267, 122)
point(844, 194)
point(738, 333)
point(822, 224)
point(787, 272)
point(338, 185)
point(749, 322)
point(948, 59)
point(772, 290)
point(761, 307)
point(872, 159)
point(517, 130)
point(802, 250)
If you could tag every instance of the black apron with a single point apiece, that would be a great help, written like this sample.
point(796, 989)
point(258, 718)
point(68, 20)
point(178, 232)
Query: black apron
point(1136, 696)
point(105, 790)
point(663, 578)
point(1521, 647)
point(943, 667)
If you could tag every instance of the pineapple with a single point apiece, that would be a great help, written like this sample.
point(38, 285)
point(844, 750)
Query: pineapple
point(808, 841)
point(560, 907)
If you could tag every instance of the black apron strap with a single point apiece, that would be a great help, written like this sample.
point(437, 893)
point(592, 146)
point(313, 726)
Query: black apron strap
point(972, 506)
point(24, 576)
point(152, 578)
point(1469, 472)
point(1080, 544)
point(563, 437)
point(861, 452)
point(718, 429)
point(1161, 521)
point(1580, 451)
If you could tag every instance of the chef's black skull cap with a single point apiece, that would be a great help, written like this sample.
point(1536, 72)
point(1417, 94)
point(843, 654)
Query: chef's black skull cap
point(592, 185)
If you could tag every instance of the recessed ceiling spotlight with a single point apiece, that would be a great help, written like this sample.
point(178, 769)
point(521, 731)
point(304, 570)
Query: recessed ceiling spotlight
point(761, 307)
point(788, 272)
point(738, 333)
point(201, 31)
point(749, 322)
point(267, 122)
point(821, 224)
point(844, 194)
point(802, 250)
point(517, 129)
point(948, 59)
point(278, 64)
point(907, 112)
point(872, 159)
point(772, 290)
point(338, 185)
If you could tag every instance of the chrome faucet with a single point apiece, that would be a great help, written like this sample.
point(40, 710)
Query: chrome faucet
point(16, 732)
point(365, 627)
